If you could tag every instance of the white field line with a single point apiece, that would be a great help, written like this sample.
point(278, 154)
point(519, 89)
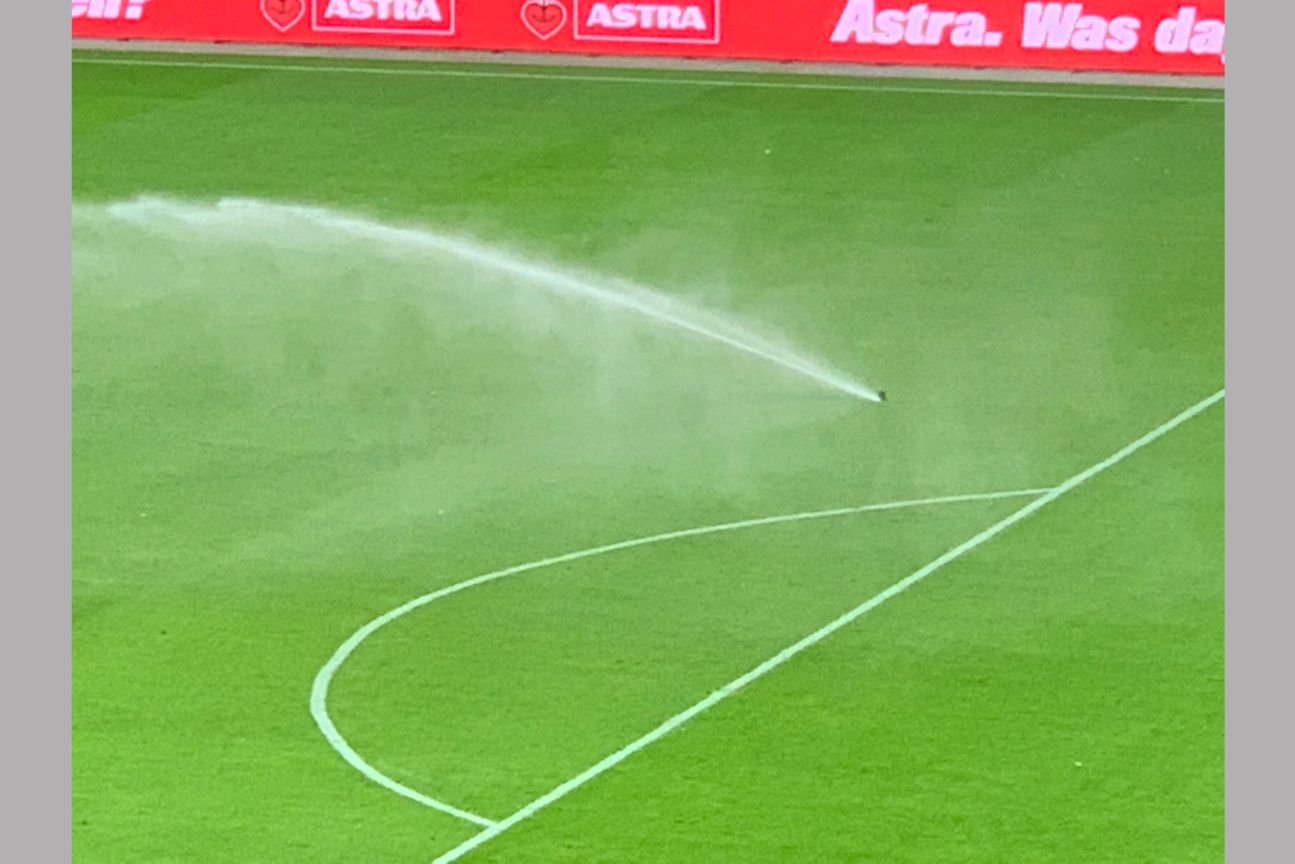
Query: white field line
point(647, 79)
point(319, 689)
point(818, 635)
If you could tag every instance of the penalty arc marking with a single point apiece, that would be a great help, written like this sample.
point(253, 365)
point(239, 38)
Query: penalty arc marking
point(319, 690)
point(492, 829)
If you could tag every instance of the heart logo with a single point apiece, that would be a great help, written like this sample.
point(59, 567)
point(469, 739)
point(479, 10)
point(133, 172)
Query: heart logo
point(283, 14)
point(544, 18)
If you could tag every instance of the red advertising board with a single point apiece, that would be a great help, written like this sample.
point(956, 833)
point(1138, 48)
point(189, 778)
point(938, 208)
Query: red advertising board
point(1123, 35)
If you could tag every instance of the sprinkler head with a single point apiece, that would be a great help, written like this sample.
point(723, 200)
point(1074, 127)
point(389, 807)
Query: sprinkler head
point(881, 395)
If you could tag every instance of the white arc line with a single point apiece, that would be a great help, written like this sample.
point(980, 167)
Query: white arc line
point(818, 635)
point(319, 689)
point(645, 79)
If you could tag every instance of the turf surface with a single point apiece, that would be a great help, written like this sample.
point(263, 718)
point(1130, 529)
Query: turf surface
point(278, 437)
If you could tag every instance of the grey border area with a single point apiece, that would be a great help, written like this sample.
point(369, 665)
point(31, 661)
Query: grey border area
point(35, 486)
point(1259, 751)
point(518, 58)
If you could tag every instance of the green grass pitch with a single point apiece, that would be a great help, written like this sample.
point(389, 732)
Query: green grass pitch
point(279, 437)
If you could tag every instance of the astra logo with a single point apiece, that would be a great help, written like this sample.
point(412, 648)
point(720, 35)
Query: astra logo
point(863, 23)
point(416, 17)
point(109, 10)
point(646, 16)
point(680, 21)
point(414, 11)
